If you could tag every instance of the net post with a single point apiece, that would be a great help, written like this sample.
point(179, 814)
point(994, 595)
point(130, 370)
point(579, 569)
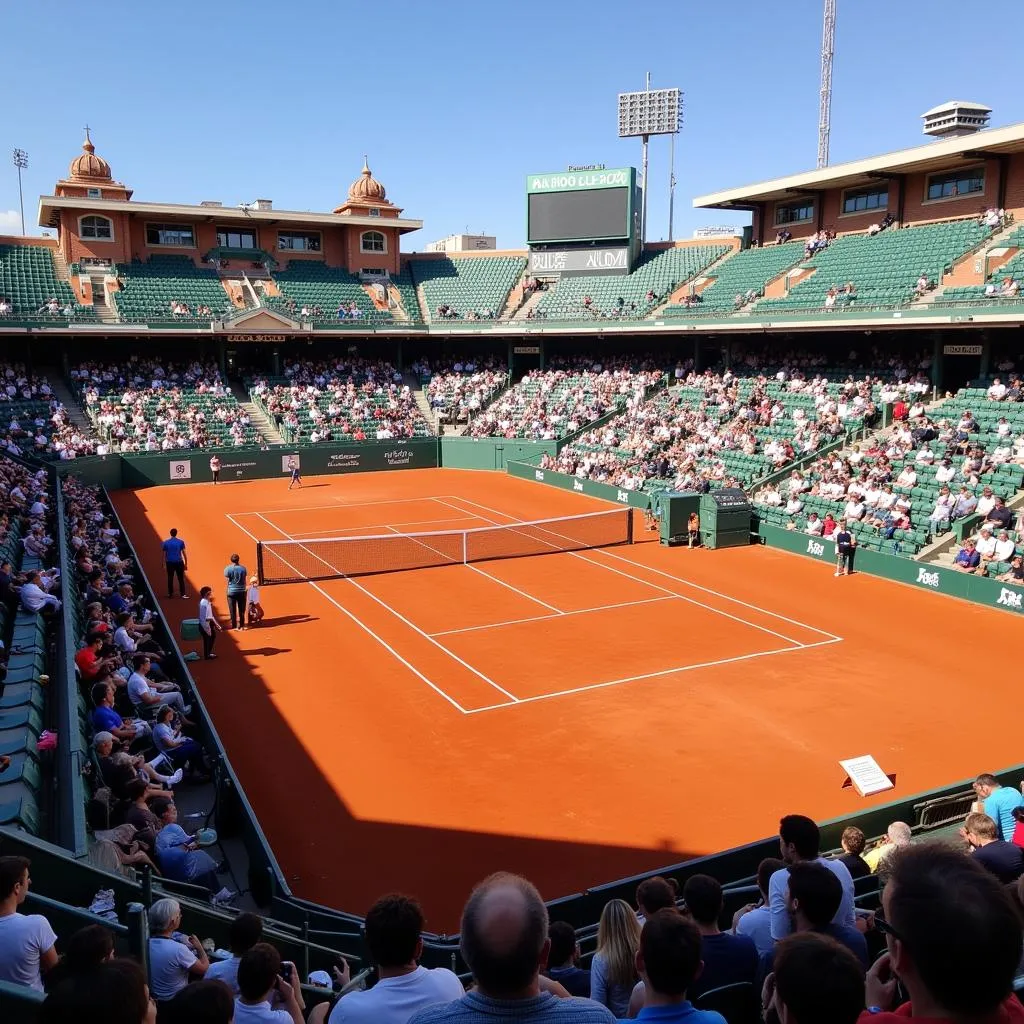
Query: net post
point(259, 561)
point(629, 525)
point(465, 547)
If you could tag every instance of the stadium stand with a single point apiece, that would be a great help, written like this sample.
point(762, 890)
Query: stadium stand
point(340, 399)
point(169, 288)
point(883, 268)
point(717, 429)
point(1004, 283)
point(406, 287)
point(314, 291)
point(656, 275)
point(902, 490)
point(551, 404)
point(457, 389)
point(30, 286)
point(739, 279)
point(153, 405)
point(467, 287)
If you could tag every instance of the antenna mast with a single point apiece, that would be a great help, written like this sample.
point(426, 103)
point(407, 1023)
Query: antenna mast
point(828, 45)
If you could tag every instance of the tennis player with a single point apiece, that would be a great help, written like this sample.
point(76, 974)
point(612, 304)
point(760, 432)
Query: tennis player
point(293, 466)
point(253, 608)
point(693, 529)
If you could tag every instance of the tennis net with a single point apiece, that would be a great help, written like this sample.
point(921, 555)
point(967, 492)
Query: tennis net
point(326, 558)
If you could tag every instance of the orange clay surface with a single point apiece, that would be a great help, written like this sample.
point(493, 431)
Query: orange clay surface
point(573, 717)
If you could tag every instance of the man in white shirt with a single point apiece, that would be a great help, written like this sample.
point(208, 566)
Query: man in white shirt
point(1004, 547)
point(986, 502)
point(393, 928)
point(34, 598)
point(26, 940)
point(814, 525)
point(986, 544)
point(945, 473)
point(262, 983)
point(997, 390)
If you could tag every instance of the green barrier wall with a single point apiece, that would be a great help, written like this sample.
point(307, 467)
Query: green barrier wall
point(635, 499)
point(157, 468)
point(935, 578)
point(491, 452)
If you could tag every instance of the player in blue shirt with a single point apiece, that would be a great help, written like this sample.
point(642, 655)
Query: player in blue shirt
point(175, 562)
point(293, 466)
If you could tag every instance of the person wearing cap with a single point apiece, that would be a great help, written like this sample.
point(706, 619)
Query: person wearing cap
point(253, 608)
point(320, 979)
point(845, 545)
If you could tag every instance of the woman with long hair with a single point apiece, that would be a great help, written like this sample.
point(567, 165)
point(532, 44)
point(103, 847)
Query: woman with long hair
point(613, 970)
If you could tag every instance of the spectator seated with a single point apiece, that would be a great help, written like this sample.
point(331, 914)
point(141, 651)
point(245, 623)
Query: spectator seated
point(311, 290)
point(457, 389)
point(30, 288)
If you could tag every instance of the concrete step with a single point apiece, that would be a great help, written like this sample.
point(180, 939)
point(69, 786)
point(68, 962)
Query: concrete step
point(66, 397)
point(263, 424)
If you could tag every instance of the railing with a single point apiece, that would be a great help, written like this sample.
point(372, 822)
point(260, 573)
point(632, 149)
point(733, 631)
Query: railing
point(71, 756)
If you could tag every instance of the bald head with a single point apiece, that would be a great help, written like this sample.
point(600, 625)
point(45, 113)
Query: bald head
point(505, 935)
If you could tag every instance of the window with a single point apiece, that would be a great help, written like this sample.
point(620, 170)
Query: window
point(94, 193)
point(228, 238)
point(101, 228)
point(171, 234)
point(956, 183)
point(373, 241)
point(374, 211)
point(862, 200)
point(299, 241)
point(794, 213)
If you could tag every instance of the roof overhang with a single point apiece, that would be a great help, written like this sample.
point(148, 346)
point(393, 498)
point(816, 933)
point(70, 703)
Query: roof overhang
point(50, 208)
point(934, 156)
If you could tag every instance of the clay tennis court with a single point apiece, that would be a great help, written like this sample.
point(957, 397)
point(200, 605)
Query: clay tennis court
point(575, 716)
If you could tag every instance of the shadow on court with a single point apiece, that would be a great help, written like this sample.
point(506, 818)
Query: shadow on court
point(285, 620)
point(265, 652)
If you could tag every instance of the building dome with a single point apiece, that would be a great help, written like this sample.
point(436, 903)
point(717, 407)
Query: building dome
point(88, 165)
point(366, 188)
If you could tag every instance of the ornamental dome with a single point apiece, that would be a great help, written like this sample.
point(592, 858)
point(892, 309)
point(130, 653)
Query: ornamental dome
point(88, 164)
point(366, 188)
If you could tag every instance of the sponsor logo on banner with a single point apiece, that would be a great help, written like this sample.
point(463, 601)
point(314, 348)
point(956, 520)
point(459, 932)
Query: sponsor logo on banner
point(287, 461)
point(961, 350)
point(577, 485)
point(623, 496)
point(181, 469)
point(538, 474)
point(344, 460)
point(927, 579)
point(815, 548)
point(398, 457)
point(1010, 598)
point(238, 468)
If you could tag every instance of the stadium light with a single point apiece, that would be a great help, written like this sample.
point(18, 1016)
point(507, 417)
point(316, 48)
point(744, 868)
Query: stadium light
point(646, 113)
point(21, 162)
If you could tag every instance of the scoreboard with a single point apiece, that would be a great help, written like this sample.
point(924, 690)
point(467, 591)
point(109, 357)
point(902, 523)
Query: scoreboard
point(573, 207)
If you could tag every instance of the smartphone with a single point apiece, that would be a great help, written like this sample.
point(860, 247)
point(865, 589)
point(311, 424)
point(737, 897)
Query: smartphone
point(286, 972)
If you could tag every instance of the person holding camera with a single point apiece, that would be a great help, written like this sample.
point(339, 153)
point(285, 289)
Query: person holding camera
point(268, 989)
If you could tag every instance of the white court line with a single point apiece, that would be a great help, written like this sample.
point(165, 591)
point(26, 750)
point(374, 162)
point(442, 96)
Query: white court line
point(362, 625)
point(381, 526)
point(653, 675)
point(654, 586)
point(659, 572)
point(541, 618)
point(398, 615)
point(314, 508)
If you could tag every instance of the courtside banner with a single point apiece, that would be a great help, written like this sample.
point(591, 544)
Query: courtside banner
point(290, 462)
point(180, 469)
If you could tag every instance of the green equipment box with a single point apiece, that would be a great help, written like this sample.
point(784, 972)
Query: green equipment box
point(725, 518)
point(673, 511)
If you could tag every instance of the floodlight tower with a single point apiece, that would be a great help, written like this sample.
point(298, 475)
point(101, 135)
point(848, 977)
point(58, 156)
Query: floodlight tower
point(21, 162)
point(828, 46)
point(647, 113)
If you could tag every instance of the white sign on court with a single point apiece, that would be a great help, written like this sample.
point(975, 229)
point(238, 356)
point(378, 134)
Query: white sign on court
point(180, 469)
point(866, 776)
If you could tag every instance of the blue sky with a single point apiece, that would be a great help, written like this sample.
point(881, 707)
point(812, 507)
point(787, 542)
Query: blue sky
point(456, 101)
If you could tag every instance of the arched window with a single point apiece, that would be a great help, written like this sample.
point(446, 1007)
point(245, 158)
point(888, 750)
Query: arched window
point(96, 227)
point(373, 241)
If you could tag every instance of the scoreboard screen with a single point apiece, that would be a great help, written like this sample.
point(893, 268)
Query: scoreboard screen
point(600, 213)
point(581, 206)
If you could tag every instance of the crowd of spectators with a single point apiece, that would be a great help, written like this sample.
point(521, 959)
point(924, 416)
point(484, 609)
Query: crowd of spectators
point(685, 436)
point(457, 389)
point(940, 938)
point(346, 398)
point(564, 397)
point(157, 405)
